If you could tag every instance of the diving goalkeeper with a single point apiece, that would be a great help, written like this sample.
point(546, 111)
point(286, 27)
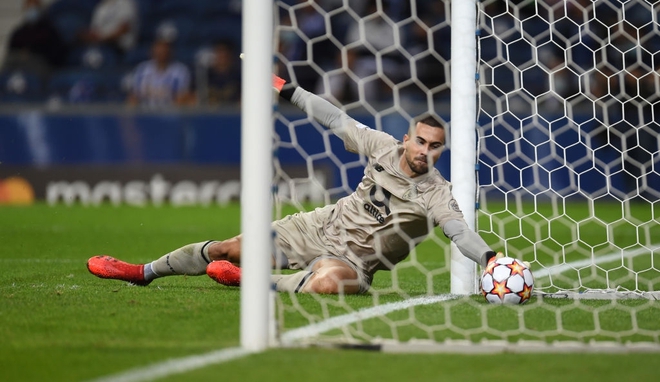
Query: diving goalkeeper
point(338, 248)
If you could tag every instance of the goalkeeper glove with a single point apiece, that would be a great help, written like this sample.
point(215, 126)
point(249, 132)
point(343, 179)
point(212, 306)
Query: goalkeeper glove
point(278, 83)
point(492, 256)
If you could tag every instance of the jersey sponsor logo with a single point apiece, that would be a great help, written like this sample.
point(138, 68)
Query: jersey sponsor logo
point(380, 198)
point(373, 211)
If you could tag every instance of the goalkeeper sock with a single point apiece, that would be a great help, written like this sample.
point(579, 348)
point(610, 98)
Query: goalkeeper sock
point(293, 283)
point(191, 259)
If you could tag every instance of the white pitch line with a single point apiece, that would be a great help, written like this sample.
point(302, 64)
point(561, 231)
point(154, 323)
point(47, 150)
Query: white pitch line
point(364, 314)
point(340, 321)
point(596, 260)
point(175, 366)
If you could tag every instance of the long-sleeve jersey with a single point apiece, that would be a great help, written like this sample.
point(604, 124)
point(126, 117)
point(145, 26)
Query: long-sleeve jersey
point(389, 213)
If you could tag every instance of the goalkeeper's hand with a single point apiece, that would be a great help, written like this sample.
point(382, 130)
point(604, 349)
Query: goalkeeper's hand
point(278, 83)
point(494, 256)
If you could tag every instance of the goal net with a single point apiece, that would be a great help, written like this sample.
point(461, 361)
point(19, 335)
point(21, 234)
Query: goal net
point(567, 166)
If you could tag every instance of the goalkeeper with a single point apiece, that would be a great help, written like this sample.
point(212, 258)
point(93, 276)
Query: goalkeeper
point(339, 247)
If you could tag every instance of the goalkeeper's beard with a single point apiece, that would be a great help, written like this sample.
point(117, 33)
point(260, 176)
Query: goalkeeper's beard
point(419, 165)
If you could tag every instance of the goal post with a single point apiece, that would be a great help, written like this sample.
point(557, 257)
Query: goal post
point(463, 134)
point(554, 160)
point(256, 174)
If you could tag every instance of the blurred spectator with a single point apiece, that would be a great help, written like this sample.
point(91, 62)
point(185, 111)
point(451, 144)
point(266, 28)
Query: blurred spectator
point(310, 22)
point(374, 34)
point(224, 75)
point(161, 81)
point(339, 85)
point(305, 23)
point(36, 45)
point(114, 23)
point(428, 41)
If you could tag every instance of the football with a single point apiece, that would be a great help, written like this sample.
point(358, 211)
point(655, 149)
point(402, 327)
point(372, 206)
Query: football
point(507, 281)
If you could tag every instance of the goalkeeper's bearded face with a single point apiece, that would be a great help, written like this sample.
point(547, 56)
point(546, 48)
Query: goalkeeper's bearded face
point(422, 148)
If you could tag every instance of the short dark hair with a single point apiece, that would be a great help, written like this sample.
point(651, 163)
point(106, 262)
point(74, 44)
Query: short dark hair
point(428, 119)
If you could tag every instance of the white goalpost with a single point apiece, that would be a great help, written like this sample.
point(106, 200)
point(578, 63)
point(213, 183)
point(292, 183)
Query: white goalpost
point(553, 156)
point(463, 135)
point(256, 174)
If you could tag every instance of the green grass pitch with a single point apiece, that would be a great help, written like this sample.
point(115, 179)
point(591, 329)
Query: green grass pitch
point(59, 323)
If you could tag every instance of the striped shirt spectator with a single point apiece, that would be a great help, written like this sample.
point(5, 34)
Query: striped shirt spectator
point(161, 82)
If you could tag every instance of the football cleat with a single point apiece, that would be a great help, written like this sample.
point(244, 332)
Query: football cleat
point(107, 267)
point(224, 272)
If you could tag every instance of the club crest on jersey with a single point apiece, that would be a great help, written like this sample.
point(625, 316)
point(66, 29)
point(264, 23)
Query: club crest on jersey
point(453, 205)
point(411, 193)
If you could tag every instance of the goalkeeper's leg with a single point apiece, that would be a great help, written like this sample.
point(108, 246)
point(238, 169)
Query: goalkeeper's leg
point(331, 276)
point(191, 260)
point(326, 275)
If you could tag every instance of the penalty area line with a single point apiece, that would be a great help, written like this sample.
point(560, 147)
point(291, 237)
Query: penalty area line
point(551, 271)
point(360, 315)
point(341, 321)
point(175, 366)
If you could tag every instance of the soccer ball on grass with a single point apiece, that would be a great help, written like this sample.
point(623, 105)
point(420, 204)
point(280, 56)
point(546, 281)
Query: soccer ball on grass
point(507, 281)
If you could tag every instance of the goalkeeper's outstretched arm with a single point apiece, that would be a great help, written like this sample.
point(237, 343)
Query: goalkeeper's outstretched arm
point(321, 110)
point(468, 242)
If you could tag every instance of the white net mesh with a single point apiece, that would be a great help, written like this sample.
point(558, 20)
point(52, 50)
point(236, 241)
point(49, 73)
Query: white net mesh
point(569, 142)
point(568, 165)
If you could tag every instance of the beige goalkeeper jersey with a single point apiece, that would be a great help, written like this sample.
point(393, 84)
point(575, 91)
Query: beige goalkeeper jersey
point(389, 212)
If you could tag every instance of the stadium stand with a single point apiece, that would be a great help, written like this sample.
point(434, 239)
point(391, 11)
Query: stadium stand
point(20, 86)
point(194, 28)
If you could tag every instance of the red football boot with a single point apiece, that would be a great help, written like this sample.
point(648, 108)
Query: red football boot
point(107, 267)
point(224, 272)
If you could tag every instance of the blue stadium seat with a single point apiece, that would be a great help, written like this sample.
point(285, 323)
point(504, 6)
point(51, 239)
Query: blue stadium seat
point(85, 86)
point(226, 28)
point(186, 55)
point(182, 27)
point(166, 9)
point(85, 7)
point(115, 86)
point(147, 28)
point(94, 57)
point(138, 54)
point(20, 86)
point(211, 9)
point(70, 24)
point(146, 8)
